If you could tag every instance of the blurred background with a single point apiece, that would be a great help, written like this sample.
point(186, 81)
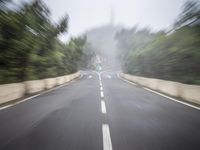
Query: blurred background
point(157, 38)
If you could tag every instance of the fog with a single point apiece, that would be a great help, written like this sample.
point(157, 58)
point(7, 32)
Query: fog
point(157, 38)
point(100, 20)
point(87, 14)
point(99, 74)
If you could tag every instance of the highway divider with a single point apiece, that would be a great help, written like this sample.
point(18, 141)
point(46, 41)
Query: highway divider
point(190, 93)
point(13, 91)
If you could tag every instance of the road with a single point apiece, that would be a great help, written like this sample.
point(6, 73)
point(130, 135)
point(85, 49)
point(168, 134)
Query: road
point(99, 112)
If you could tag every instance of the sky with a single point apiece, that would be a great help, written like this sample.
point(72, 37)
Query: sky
point(87, 14)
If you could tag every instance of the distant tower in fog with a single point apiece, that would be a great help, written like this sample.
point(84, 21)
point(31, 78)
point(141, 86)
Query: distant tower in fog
point(112, 17)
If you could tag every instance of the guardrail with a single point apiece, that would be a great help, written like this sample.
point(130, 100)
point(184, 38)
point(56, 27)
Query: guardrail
point(9, 92)
point(190, 93)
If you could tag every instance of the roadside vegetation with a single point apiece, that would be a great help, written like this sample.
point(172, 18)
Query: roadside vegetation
point(29, 44)
point(172, 55)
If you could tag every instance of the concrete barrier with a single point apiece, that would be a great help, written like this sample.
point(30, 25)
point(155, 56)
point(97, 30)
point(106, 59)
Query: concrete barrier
point(73, 76)
point(50, 83)
point(60, 80)
point(10, 92)
point(67, 78)
point(190, 93)
point(70, 77)
point(34, 86)
point(77, 74)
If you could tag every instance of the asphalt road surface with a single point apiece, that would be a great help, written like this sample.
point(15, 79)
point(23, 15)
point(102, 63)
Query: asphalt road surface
point(100, 112)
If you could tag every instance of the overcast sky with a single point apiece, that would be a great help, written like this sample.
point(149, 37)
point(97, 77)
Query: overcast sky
point(87, 14)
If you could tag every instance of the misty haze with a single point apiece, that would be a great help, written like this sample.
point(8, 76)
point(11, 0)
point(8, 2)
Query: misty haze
point(99, 75)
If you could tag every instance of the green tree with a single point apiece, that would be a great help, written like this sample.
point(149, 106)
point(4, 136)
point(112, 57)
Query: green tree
point(174, 56)
point(29, 44)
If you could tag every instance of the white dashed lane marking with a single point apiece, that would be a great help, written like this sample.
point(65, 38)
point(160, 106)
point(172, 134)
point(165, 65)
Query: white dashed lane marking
point(103, 107)
point(89, 76)
point(107, 144)
point(101, 88)
point(109, 76)
point(102, 95)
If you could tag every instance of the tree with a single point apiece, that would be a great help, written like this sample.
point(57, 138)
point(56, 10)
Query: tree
point(190, 15)
point(29, 44)
point(174, 56)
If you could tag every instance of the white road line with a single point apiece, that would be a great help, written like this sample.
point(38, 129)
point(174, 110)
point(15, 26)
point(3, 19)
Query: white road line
point(4, 107)
point(29, 98)
point(102, 95)
point(130, 82)
point(89, 76)
point(100, 81)
point(44, 92)
point(101, 88)
point(15, 103)
point(178, 101)
point(99, 76)
point(126, 80)
point(103, 107)
point(109, 76)
point(107, 144)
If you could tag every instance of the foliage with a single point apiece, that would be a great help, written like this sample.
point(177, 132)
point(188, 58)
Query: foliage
point(29, 47)
point(88, 57)
point(172, 56)
point(190, 15)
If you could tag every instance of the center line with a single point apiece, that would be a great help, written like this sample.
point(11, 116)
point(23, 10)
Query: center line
point(103, 107)
point(90, 77)
point(102, 95)
point(107, 145)
point(101, 88)
point(99, 76)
